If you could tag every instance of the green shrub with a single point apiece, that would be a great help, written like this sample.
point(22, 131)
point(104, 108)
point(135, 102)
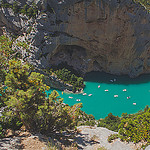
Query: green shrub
point(16, 8)
point(112, 137)
point(26, 99)
point(111, 122)
point(2, 131)
point(5, 4)
point(102, 148)
point(28, 10)
point(66, 76)
point(9, 122)
point(136, 127)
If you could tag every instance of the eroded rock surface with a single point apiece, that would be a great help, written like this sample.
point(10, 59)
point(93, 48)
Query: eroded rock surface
point(95, 35)
point(100, 135)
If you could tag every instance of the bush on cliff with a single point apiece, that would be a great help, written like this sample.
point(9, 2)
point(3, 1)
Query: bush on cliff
point(28, 10)
point(136, 127)
point(26, 99)
point(66, 75)
point(111, 122)
point(6, 53)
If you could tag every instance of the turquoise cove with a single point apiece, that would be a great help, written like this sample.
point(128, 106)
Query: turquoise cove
point(110, 93)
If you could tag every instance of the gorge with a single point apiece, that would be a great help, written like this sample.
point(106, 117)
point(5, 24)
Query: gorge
point(98, 47)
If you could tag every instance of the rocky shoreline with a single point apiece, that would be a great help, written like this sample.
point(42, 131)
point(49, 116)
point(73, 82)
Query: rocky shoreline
point(77, 92)
point(56, 83)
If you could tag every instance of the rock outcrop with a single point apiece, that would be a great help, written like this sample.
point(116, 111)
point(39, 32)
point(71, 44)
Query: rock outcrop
point(53, 82)
point(89, 35)
point(89, 138)
point(100, 136)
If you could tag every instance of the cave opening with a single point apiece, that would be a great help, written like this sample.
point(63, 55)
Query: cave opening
point(67, 56)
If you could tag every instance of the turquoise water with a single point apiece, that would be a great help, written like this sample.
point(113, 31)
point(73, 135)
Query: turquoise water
point(101, 102)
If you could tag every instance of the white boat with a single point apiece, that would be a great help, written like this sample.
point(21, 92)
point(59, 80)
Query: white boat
point(124, 90)
point(115, 95)
point(106, 90)
point(90, 95)
point(111, 80)
point(99, 86)
point(70, 97)
point(134, 103)
point(78, 100)
point(84, 94)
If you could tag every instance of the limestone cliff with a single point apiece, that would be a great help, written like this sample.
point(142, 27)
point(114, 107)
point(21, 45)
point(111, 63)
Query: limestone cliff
point(89, 35)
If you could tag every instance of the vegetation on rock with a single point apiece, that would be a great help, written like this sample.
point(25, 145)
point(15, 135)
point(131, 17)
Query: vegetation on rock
point(28, 10)
point(112, 137)
point(145, 3)
point(6, 55)
point(136, 127)
point(131, 127)
point(111, 122)
point(24, 100)
point(67, 77)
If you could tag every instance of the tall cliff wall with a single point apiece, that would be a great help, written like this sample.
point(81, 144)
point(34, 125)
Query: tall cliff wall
point(90, 35)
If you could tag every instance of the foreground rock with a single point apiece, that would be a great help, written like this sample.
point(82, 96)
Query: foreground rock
point(25, 141)
point(91, 138)
point(10, 143)
point(88, 138)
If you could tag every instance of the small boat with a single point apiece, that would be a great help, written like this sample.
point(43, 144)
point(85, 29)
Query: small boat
point(115, 95)
point(134, 103)
point(106, 90)
point(78, 100)
point(99, 86)
point(70, 97)
point(124, 90)
point(111, 80)
point(84, 94)
point(128, 97)
point(90, 95)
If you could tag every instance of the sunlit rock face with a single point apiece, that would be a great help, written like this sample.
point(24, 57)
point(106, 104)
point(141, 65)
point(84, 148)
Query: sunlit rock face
point(115, 36)
point(94, 35)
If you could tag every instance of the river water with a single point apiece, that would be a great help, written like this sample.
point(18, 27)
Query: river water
point(136, 94)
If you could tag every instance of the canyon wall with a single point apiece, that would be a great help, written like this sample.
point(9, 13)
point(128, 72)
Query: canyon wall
point(90, 35)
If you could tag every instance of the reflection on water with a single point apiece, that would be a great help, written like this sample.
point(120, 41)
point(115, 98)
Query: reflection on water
point(103, 77)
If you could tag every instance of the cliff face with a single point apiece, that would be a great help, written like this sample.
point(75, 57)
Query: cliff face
point(95, 35)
